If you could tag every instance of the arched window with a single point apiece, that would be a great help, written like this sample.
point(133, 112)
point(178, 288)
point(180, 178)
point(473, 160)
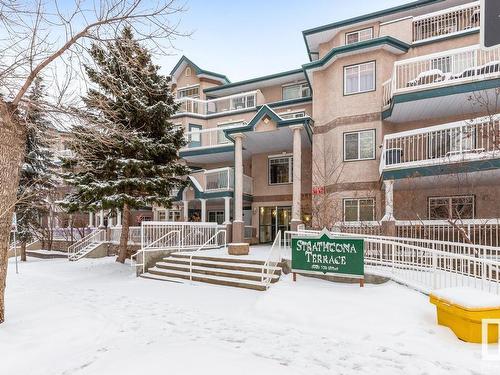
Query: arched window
point(188, 71)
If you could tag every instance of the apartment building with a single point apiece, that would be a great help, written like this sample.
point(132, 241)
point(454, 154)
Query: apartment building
point(392, 119)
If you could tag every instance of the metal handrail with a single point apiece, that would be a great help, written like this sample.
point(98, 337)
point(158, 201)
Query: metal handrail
point(201, 247)
point(266, 275)
point(149, 248)
point(80, 244)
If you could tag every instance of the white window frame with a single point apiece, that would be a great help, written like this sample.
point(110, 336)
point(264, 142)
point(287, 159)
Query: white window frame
point(188, 88)
point(359, 132)
point(217, 212)
point(293, 114)
point(290, 168)
point(450, 203)
point(358, 66)
point(304, 86)
point(358, 32)
point(358, 208)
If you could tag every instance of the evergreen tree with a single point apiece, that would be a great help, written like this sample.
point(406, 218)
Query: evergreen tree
point(37, 172)
point(127, 153)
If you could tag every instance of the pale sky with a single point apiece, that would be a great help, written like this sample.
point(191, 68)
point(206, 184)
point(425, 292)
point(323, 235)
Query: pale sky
point(246, 39)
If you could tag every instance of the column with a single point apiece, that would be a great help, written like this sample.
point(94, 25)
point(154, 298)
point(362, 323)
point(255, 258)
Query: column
point(91, 219)
point(389, 201)
point(388, 221)
point(238, 224)
point(110, 220)
point(203, 210)
point(227, 210)
point(101, 219)
point(185, 206)
point(297, 177)
point(118, 218)
point(167, 214)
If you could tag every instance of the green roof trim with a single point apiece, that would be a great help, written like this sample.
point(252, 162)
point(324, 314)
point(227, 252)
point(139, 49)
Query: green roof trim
point(365, 17)
point(442, 169)
point(205, 151)
point(440, 91)
point(385, 40)
point(253, 80)
point(266, 110)
point(197, 69)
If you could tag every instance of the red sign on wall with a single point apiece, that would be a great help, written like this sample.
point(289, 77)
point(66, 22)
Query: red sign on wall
point(317, 190)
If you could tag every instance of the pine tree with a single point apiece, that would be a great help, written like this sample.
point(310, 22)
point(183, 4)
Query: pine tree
point(37, 172)
point(127, 153)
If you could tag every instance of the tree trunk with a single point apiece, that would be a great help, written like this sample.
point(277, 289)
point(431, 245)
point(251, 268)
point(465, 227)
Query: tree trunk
point(122, 250)
point(23, 251)
point(12, 148)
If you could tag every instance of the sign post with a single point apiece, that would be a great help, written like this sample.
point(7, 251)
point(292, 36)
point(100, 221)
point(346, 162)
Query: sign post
point(490, 23)
point(328, 255)
point(13, 229)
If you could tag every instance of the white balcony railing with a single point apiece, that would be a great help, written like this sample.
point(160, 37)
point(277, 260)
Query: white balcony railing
point(246, 100)
point(445, 22)
point(211, 137)
point(448, 143)
point(442, 69)
point(221, 179)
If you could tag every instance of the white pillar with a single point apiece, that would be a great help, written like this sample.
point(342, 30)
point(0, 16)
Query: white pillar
point(118, 218)
point(185, 205)
point(389, 201)
point(101, 219)
point(167, 214)
point(110, 220)
point(297, 174)
point(203, 210)
point(227, 210)
point(91, 219)
point(238, 177)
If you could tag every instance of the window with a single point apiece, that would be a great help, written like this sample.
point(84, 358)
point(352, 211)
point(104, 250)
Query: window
point(242, 102)
point(289, 115)
point(455, 207)
point(189, 92)
point(359, 145)
point(359, 36)
point(216, 217)
point(359, 209)
point(188, 71)
point(221, 137)
point(359, 78)
point(295, 91)
point(280, 170)
point(194, 137)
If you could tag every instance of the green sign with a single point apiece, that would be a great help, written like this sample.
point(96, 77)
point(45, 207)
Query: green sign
point(325, 254)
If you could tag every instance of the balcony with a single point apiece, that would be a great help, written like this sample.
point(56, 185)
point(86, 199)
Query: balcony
point(446, 22)
point(435, 149)
point(221, 180)
point(227, 104)
point(454, 74)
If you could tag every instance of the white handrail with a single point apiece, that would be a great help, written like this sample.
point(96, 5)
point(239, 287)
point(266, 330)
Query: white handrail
point(85, 241)
point(150, 248)
point(426, 265)
point(201, 247)
point(272, 261)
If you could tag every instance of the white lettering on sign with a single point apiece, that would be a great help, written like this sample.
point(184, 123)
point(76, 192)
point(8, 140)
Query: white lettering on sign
point(321, 246)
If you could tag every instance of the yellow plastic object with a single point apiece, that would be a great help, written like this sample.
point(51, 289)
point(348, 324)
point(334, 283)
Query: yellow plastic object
point(466, 322)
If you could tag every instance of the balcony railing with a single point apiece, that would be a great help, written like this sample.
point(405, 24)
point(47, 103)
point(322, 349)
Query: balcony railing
point(448, 143)
point(221, 179)
point(246, 100)
point(209, 137)
point(449, 21)
point(442, 69)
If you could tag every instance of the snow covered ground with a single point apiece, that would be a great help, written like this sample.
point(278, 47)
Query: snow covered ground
point(95, 317)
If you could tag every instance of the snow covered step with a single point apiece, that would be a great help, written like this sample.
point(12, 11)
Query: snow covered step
point(241, 265)
point(230, 259)
point(239, 274)
point(211, 279)
point(148, 275)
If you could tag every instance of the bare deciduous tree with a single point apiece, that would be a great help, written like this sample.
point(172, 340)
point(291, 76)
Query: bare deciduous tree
point(50, 37)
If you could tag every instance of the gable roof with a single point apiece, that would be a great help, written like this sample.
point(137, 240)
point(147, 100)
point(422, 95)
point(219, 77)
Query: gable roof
point(184, 61)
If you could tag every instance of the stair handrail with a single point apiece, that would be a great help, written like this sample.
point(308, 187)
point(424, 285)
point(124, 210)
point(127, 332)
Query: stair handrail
point(273, 259)
point(201, 247)
point(84, 241)
point(143, 250)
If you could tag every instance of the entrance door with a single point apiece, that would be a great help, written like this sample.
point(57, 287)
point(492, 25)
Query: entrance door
point(272, 220)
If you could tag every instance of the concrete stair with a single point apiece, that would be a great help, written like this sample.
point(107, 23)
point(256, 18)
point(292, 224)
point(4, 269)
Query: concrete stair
point(84, 251)
point(241, 273)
